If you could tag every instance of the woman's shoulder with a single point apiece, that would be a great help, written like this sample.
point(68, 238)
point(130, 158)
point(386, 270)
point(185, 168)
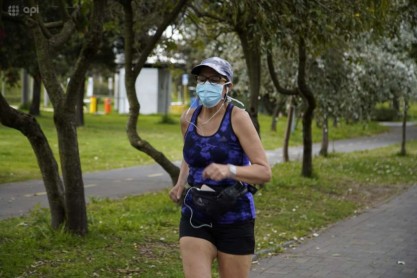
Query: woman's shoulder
point(239, 114)
point(241, 122)
point(186, 117)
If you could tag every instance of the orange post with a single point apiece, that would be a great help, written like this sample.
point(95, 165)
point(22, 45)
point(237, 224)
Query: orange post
point(107, 106)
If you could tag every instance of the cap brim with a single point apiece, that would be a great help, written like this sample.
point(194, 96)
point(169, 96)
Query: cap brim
point(196, 70)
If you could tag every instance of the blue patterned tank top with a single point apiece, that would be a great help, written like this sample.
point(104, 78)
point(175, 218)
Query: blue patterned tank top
point(222, 147)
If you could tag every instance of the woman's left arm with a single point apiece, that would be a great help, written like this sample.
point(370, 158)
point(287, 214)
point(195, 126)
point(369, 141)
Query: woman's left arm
point(259, 171)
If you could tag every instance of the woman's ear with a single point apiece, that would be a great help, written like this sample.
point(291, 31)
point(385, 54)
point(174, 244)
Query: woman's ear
point(228, 88)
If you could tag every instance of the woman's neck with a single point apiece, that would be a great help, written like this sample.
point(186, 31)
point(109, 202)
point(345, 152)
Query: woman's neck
point(207, 114)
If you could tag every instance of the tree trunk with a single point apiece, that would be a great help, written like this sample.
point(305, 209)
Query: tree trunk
point(34, 109)
point(71, 172)
point(67, 141)
point(132, 72)
point(335, 122)
point(284, 91)
point(79, 109)
point(48, 166)
point(396, 105)
point(288, 131)
point(403, 150)
point(304, 91)
point(64, 106)
point(325, 137)
point(251, 46)
point(307, 167)
point(25, 89)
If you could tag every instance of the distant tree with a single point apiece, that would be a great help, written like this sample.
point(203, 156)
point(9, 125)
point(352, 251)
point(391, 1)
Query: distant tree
point(143, 25)
point(309, 27)
point(66, 198)
point(385, 71)
point(29, 127)
point(329, 78)
point(237, 17)
point(17, 52)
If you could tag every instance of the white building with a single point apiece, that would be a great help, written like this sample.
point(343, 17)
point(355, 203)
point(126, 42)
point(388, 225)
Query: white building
point(153, 89)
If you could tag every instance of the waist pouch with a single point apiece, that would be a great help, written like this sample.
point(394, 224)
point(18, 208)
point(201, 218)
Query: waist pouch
point(214, 204)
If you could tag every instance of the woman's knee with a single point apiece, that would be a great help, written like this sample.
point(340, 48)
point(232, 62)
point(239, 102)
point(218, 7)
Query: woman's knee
point(231, 266)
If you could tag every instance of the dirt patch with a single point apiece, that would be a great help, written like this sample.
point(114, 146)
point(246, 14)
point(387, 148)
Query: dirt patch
point(367, 196)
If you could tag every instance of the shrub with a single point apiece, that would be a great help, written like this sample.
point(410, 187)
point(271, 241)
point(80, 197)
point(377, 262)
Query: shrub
point(384, 114)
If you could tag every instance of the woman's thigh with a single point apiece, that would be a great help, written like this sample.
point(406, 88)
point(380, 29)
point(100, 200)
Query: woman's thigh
point(197, 256)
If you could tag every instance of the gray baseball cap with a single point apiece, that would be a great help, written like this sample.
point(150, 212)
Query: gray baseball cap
point(220, 65)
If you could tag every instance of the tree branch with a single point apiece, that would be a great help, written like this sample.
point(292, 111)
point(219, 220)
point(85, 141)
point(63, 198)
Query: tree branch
point(326, 8)
point(206, 14)
point(213, 16)
point(89, 49)
point(155, 38)
point(274, 77)
point(305, 91)
point(67, 30)
point(45, 30)
point(38, 20)
point(62, 7)
point(46, 66)
point(48, 166)
point(54, 24)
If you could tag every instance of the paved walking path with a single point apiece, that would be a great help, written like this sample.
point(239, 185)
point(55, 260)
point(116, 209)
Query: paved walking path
point(381, 242)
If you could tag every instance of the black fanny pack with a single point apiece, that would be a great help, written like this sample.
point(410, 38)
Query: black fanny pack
point(214, 204)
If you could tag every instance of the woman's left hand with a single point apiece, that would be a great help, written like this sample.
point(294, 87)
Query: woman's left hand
point(216, 172)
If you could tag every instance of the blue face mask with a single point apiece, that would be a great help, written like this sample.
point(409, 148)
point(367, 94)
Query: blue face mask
point(209, 94)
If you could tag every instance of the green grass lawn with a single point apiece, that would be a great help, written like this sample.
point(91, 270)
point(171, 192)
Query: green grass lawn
point(104, 145)
point(137, 236)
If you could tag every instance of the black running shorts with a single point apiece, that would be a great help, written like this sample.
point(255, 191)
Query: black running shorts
point(236, 238)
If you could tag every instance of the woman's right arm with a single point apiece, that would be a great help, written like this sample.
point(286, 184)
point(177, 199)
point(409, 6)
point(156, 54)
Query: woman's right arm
point(176, 192)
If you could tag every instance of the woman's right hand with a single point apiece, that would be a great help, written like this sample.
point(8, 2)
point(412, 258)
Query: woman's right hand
point(176, 192)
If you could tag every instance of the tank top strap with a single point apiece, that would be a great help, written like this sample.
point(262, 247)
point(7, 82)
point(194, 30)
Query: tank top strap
point(229, 110)
point(193, 121)
point(227, 117)
point(195, 114)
